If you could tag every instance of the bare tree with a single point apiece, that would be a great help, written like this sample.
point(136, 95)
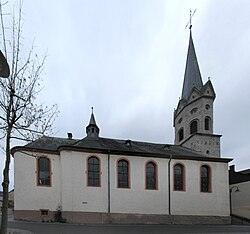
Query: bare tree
point(20, 117)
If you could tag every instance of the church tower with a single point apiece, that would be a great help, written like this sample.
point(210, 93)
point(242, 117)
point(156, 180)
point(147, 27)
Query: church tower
point(193, 117)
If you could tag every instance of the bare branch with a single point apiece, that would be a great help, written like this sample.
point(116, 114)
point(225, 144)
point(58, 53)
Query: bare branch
point(21, 117)
point(21, 139)
point(3, 30)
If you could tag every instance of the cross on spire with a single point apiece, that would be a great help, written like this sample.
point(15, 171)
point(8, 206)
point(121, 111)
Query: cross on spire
point(190, 19)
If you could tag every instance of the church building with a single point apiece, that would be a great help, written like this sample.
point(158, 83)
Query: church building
point(104, 180)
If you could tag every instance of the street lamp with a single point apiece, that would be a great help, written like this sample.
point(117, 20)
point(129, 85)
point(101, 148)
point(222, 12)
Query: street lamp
point(4, 67)
point(230, 197)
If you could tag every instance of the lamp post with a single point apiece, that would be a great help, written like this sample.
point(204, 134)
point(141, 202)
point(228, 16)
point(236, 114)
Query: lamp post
point(230, 197)
point(4, 67)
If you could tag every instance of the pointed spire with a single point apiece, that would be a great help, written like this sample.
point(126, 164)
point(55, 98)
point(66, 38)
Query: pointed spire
point(192, 77)
point(92, 129)
point(92, 117)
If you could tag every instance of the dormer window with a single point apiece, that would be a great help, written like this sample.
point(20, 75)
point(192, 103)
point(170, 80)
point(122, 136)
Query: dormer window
point(128, 143)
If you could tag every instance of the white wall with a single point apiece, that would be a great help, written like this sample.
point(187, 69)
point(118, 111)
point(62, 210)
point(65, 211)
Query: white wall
point(69, 187)
point(241, 199)
point(194, 202)
point(76, 195)
point(137, 199)
point(29, 196)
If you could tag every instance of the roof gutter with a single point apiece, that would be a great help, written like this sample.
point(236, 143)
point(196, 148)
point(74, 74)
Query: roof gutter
point(128, 153)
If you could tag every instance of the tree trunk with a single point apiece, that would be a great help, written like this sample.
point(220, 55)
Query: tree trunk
point(5, 184)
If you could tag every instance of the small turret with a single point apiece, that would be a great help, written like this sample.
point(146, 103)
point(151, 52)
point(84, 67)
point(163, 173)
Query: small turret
point(92, 129)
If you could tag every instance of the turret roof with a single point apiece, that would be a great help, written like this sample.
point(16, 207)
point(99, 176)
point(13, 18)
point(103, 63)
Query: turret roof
point(92, 129)
point(92, 120)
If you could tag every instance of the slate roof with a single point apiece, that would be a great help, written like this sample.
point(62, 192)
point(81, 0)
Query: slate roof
point(247, 171)
point(49, 143)
point(114, 146)
point(192, 76)
point(238, 177)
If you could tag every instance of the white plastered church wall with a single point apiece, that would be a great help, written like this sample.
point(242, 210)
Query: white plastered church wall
point(137, 199)
point(76, 195)
point(29, 196)
point(194, 202)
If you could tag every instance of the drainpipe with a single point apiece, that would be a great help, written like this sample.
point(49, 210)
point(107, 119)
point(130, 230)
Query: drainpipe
point(109, 186)
point(169, 187)
point(60, 161)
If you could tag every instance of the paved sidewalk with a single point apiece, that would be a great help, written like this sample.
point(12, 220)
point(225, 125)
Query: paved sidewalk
point(18, 231)
point(22, 227)
point(13, 230)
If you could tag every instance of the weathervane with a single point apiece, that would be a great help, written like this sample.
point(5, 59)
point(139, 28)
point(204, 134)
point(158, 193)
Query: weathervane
point(190, 19)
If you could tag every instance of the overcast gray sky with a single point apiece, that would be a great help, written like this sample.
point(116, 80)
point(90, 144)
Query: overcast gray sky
point(126, 58)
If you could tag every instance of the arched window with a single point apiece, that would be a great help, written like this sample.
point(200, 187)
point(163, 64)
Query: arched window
point(151, 175)
point(44, 171)
point(181, 134)
point(123, 174)
point(205, 179)
point(179, 183)
point(93, 171)
point(194, 126)
point(207, 123)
